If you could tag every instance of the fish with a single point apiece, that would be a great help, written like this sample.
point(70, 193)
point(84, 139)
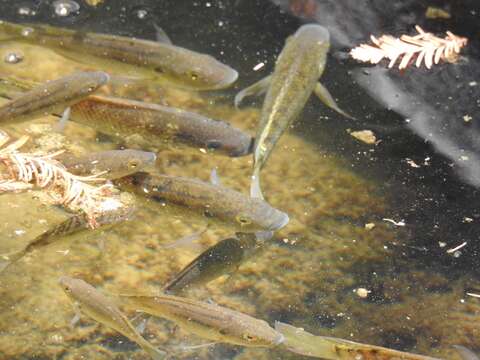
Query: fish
point(301, 342)
point(160, 125)
point(216, 204)
point(209, 321)
point(220, 259)
point(52, 96)
point(297, 70)
point(103, 310)
point(152, 60)
point(74, 224)
point(111, 164)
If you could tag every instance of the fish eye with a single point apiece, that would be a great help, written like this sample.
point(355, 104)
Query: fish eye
point(249, 337)
point(67, 289)
point(213, 144)
point(133, 164)
point(243, 220)
point(208, 214)
point(194, 76)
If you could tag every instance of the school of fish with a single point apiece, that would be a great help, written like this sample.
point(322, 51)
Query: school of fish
point(250, 217)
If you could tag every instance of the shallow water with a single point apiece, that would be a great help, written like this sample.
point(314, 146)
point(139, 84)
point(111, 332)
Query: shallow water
point(330, 184)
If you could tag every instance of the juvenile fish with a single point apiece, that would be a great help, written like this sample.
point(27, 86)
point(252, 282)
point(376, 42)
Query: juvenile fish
point(52, 96)
point(216, 203)
point(159, 125)
point(103, 310)
point(174, 64)
point(112, 164)
point(220, 259)
point(301, 342)
point(208, 321)
point(296, 75)
point(72, 225)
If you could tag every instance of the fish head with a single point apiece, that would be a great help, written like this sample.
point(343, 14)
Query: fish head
point(90, 81)
point(255, 332)
point(137, 160)
point(233, 143)
point(261, 217)
point(70, 285)
point(200, 72)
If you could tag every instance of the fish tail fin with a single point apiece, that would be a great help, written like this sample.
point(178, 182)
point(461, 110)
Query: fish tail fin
point(325, 97)
point(255, 189)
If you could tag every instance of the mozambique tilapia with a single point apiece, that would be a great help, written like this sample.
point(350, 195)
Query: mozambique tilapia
point(301, 342)
point(97, 306)
point(296, 75)
point(158, 125)
point(208, 321)
point(72, 225)
point(219, 259)
point(52, 96)
point(152, 60)
point(111, 164)
point(215, 203)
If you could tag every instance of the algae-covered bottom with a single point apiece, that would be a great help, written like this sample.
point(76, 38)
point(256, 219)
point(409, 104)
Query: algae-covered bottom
point(309, 275)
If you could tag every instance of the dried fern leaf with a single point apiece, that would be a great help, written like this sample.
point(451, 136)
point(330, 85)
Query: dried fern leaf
point(45, 172)
point(426, 47)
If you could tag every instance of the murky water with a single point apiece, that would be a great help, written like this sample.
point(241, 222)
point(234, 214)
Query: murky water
point(420, 296)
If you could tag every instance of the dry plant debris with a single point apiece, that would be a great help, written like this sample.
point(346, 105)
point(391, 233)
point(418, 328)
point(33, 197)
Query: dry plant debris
point(25, 170)
point(426, 47)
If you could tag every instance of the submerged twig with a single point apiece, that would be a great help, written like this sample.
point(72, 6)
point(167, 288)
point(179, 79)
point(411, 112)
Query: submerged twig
point(26, 170)
point(426, 47)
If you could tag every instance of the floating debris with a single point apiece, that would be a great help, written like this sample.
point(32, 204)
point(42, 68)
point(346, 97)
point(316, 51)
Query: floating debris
point(65, 7)
point(428, 49)
point(366, 136)
point(433, 12)
point(14, 58)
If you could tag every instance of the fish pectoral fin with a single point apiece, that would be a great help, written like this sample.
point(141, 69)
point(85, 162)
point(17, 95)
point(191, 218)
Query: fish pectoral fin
point(60, 127)
point(193, 347)
point(186, 240)
point(325, 97)
point(161, 36)
point(76, 316)
point(214, 179)
point(256, 89)
point(255, 189)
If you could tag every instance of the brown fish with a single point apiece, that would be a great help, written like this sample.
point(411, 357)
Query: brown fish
point(208, 321)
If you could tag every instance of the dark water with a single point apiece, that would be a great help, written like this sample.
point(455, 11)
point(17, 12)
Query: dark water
point(436, 200)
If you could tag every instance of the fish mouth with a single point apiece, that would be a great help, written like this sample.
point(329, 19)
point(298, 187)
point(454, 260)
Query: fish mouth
point(282, 222)
point(230, 77)
point(243, 150)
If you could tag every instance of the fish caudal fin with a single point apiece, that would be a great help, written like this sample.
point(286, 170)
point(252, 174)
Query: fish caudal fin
point(325, 97)
point(255, 189)
point(256, 89)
